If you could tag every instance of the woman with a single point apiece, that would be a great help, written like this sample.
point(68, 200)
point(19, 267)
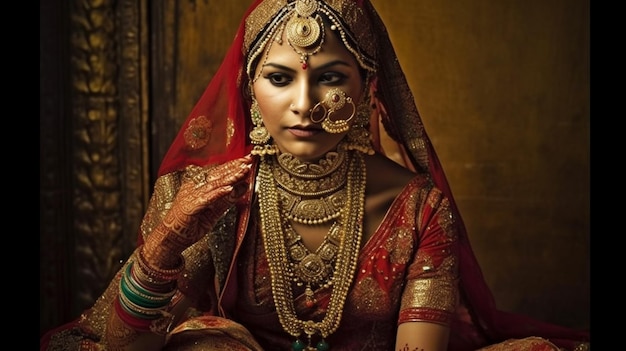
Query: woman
point(302, 207)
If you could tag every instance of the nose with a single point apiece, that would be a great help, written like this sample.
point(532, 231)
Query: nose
point(303, 100)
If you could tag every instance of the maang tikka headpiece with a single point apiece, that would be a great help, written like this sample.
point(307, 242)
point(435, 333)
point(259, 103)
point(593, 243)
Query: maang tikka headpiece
point(305, 30)
point(303, 23)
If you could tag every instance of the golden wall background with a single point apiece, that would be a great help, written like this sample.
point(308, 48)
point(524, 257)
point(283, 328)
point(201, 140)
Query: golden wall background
point(502, 86)
point(503, 89)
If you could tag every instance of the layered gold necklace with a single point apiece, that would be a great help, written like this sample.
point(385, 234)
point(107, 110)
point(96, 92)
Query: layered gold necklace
point(332, 189)
point(312, 193)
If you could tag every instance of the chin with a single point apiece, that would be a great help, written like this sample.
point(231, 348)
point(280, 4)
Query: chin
point(307, 152)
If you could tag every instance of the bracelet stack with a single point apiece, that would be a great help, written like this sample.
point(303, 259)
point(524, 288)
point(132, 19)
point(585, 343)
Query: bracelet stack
point(145, 293)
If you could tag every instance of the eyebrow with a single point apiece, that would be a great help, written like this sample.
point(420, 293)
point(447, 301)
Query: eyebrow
point(324, 66)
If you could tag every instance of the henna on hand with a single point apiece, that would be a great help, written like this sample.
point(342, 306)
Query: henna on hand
point(200, 202)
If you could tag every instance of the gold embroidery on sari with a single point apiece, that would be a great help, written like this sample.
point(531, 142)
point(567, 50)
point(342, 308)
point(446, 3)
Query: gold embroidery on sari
point(369, 299)
point(446, 220)
point(438, 292)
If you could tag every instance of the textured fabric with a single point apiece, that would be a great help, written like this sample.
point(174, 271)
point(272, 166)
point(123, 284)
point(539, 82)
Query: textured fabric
point(406, 246)
point(211, 333)
point(392, 256)
point(525, 344)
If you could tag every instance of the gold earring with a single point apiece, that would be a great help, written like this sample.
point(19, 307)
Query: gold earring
point(358, 138)
point(259, 135)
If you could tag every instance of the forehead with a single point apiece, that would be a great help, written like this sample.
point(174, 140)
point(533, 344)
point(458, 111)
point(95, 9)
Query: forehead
point(331, 49)
point(355, 20)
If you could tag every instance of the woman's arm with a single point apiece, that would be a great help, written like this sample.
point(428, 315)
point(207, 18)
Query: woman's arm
point(422, 336)
point(121, 337)
point(146, 304)
point(430, 294)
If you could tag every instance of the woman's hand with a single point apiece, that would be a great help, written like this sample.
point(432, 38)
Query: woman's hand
point(201, 200)
point(203, 197)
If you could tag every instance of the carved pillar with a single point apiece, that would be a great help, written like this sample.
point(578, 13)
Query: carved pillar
point(109, 112)
point(102, 157)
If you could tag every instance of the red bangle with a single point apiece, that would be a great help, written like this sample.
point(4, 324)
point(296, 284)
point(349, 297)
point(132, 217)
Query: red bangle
point(138, 324)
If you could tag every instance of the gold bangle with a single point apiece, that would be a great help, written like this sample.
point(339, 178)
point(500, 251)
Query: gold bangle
point(158, 275)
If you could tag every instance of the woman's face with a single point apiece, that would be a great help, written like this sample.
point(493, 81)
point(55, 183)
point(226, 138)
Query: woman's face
point(286, 93)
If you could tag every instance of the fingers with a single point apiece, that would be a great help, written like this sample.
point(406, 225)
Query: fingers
point(203, 189)
point(203, 198)
point(229, 173)
point(228, 195)
point(226, 179)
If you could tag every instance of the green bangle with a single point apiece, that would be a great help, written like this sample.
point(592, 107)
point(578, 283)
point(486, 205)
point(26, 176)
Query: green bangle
point(140, 300)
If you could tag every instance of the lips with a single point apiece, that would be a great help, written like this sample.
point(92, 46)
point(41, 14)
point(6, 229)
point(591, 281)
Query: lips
point(304, 132)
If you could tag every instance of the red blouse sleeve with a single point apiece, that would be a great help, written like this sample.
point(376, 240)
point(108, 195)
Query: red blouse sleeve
point(431, 290)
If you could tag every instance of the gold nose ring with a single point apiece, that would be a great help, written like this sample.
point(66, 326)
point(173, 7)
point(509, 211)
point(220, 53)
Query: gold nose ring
point(334, 100)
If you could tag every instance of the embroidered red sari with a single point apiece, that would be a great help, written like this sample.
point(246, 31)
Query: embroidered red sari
point(417, 246)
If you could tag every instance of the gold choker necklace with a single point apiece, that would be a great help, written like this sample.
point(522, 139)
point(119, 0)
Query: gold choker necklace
point(309, 170)
point(349, 234)
point(312, 193)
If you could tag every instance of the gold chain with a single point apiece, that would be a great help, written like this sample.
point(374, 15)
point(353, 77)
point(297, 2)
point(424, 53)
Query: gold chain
point(273, 232)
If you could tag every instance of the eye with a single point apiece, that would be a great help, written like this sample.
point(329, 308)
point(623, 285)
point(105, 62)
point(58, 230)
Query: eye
point(278, 79)
point(332, 78)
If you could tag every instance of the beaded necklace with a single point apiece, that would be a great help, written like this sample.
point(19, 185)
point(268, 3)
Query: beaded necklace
point(275, 234)
point(312, 193)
